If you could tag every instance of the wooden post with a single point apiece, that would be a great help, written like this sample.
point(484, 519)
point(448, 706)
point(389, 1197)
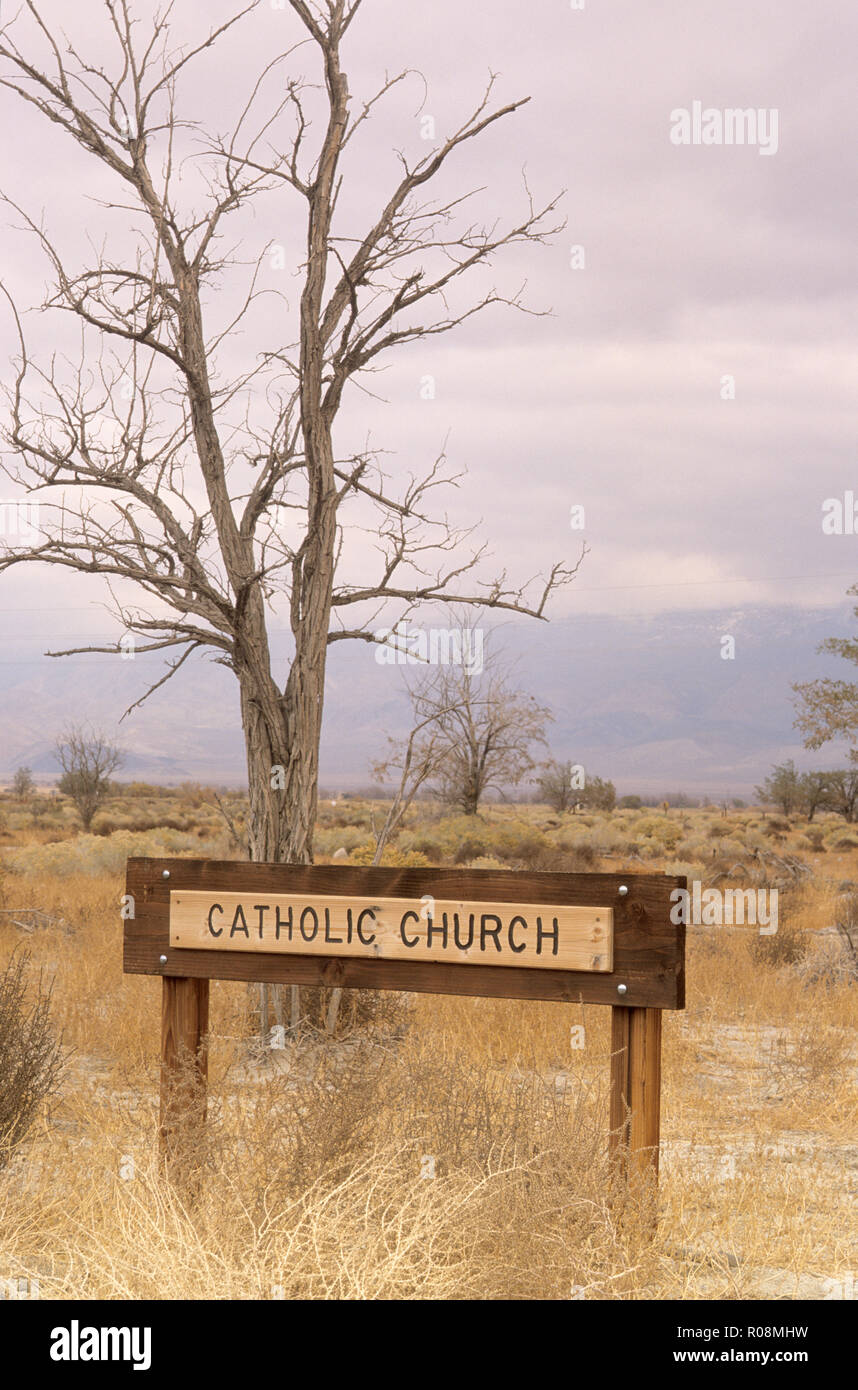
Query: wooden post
point(635, 1090)
point(184, 1064)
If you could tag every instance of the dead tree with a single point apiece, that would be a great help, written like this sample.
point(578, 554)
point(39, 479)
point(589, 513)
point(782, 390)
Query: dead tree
point(479, 727)
point(219, 493)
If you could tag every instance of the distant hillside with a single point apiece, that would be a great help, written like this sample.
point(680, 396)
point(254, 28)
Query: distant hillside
point(647, 701)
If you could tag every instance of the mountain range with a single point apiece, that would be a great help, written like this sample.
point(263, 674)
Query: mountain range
point(654, 702)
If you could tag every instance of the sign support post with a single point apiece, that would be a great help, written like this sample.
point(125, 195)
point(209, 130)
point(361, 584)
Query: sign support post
point(184, 1064)
point(635, 1104)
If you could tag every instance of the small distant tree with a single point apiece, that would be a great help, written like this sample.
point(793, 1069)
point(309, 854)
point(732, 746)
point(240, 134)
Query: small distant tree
point(483, 730)
point(23, 785)
point(599, 795)
point(815, 792)
point(87, 760)
point(782, 788)
point(555, 785)
point(629, 803)
point(842, 793)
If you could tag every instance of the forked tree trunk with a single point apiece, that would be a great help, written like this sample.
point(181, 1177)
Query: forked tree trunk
point(282, 738)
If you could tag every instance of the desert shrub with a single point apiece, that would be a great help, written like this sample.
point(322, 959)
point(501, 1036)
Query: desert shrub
point(345, 814)
point(393, 857)
point(649, 825)
point(719, 830)
point(832, 962)
point(96, 854)
point(659, 829)
point(449, 831)
point(424, 844)
point(350, 837)
point(469, 847)
point(815, 837)
point(833, 831)
point(564, 857)
point(682, 868)
point(108, 823)
point(31, 1059)
point(519, 843)
point(577, 856)
point(453, 1108)
point(370, 1013)
point(697, 851)
point(732, 849)
point(810, 1056)
point(845, 842)
point(193, 794)
point(486, 861)
point(787, 946)
point(630, 848)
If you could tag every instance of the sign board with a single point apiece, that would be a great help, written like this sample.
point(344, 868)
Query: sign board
point(481, 932)
point(588, 938)
point(539, 936)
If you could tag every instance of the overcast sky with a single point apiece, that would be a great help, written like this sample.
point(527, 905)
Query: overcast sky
point(701, 261)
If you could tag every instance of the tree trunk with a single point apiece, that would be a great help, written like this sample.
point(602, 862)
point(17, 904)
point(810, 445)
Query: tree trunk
point(282, 736)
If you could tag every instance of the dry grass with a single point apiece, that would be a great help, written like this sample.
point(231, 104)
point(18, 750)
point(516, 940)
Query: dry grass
point(457, 1149)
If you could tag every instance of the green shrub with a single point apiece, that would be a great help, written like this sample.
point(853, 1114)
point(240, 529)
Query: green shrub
point(661, 830)
point(329, 839)
point(524, 846)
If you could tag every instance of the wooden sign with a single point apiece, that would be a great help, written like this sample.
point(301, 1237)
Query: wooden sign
point(612, 930)
point(573, 938)
point(534, 935)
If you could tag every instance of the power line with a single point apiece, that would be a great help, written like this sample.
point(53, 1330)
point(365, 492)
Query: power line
point(578, 589)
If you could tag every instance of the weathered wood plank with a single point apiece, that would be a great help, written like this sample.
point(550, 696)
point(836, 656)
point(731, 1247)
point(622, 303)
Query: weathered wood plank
point(184, 1063)
point(532, 935)
point(635, 1095)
